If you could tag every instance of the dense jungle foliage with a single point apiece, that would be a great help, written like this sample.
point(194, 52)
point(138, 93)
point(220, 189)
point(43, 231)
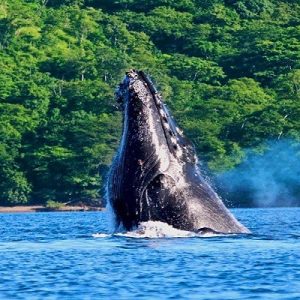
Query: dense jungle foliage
point(228, 69)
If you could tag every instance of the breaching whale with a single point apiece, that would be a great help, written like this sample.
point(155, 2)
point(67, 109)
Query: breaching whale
point(155, 175)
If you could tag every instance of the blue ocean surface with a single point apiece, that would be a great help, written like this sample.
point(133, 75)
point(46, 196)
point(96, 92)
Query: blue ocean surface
point(73, 256)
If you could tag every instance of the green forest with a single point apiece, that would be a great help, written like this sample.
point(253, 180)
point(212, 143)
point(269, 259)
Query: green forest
point(228, 69)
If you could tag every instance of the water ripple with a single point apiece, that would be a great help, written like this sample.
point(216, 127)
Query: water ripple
point(60, 256)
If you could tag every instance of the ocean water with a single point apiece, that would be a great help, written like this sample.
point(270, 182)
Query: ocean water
point(73, 256)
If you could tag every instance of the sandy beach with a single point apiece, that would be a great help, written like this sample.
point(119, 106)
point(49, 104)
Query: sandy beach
point(40, 208)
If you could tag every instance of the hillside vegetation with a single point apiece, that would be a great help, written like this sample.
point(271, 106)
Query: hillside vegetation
point(229, 70)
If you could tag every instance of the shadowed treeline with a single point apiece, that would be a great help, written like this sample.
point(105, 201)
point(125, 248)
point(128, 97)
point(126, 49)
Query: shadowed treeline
point(228, 69)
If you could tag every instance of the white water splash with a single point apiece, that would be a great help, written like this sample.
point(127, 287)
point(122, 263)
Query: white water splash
point(156, 229)
point(101, 235)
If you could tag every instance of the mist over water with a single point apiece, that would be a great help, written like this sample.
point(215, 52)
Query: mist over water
point(267, 179)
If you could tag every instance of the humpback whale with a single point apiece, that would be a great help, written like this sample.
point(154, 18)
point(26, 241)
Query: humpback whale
point(155, 175)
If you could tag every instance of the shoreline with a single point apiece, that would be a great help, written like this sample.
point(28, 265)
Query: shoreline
point(41, 208)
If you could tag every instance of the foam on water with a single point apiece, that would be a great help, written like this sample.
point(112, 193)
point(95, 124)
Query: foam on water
point(101, 235)
point(154, 230)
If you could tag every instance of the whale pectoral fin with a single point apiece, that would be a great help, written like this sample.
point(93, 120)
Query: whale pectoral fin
point(157, 198)
point(163, 202)
point(150, 199)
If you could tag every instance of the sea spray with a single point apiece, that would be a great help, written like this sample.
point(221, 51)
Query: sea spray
point(267, 179)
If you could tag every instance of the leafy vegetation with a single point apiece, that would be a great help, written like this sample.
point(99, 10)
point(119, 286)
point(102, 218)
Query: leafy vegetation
point(53, 205)
point(229, 70)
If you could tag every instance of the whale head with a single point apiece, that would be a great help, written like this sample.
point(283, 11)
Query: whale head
point(148, 123)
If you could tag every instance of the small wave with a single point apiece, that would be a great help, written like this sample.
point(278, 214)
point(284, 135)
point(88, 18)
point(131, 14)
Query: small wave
point(101, 235)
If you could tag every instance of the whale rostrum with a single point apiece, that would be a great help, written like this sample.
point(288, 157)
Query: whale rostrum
point(155, 174)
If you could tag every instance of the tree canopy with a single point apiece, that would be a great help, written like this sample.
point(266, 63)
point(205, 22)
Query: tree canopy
point(228, 69)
